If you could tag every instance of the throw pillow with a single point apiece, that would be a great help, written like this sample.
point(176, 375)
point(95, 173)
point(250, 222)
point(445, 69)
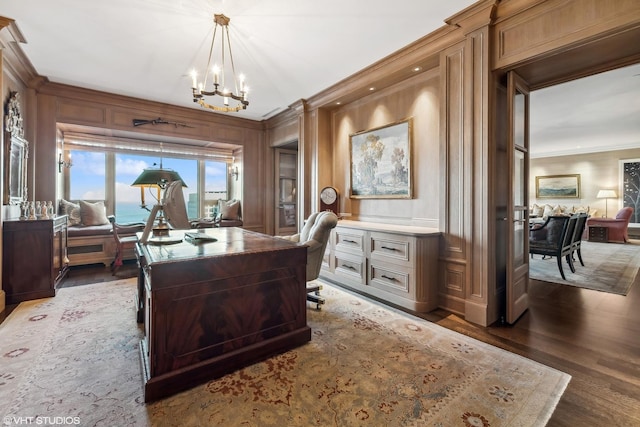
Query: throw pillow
point(72, 210)
point(537, 210)
point(548, 210)
point(93, 213)
point(229, 209)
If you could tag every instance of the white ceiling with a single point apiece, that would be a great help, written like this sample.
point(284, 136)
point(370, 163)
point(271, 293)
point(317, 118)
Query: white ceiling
point(288, 50)
point(592, 114)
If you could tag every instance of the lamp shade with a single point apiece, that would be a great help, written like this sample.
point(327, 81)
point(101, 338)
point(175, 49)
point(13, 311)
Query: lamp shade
point(159, 177)
point(606, 194)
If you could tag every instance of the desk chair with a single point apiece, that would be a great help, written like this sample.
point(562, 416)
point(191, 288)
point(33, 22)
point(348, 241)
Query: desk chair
point(175, 209)
point(315, 235)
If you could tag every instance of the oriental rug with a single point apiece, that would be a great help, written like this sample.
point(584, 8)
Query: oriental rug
point(608, 267)
point(74, 359)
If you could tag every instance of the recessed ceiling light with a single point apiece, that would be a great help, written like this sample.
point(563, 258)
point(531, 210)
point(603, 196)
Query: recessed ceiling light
point(417, 69)
point(372, 88)
point(338, 103)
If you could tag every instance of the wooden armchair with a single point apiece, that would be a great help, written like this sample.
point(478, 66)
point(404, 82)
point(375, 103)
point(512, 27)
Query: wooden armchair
point(125, 238)
point(617, 227)
point(576, 245)
point(554, 238)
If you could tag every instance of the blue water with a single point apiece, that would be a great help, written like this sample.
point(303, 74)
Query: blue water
point(132, 212)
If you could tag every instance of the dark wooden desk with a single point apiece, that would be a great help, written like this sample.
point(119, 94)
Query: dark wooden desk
point(212, 308)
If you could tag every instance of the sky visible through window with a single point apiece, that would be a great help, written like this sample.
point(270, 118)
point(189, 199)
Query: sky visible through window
point(88, 180)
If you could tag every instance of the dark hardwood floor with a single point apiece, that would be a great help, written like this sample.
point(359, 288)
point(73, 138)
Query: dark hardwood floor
point(591, 335)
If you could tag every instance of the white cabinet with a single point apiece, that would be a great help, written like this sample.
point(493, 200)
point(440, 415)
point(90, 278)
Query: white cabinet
point(397, 264)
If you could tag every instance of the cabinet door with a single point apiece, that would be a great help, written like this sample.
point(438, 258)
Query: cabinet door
point(60, 259)
point(27, 260)
point(286, 192)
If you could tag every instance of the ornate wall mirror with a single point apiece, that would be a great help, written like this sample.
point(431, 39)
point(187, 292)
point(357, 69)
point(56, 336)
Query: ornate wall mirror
point(16, 152)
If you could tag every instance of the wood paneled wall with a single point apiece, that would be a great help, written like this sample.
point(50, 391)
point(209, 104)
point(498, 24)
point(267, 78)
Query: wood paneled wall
point(453, 105)
point(101, 113)
point(457, 137)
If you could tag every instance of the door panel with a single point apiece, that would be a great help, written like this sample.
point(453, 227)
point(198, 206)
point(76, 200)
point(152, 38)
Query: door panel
point(518, 212)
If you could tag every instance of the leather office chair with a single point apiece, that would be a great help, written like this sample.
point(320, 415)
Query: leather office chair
point(175, 209)
point(315, 235)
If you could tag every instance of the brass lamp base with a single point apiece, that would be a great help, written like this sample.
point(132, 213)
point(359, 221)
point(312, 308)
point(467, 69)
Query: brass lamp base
point(162, 228)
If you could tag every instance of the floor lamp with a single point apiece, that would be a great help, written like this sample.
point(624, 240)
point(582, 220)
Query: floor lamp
point(606, 195)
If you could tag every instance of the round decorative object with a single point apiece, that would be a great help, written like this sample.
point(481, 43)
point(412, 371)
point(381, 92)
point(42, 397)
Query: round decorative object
point(329, 200)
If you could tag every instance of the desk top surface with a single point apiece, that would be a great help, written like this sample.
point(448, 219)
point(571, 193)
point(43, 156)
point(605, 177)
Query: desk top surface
point(209, 243)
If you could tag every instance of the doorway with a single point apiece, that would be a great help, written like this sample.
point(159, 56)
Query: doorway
point(554, 74)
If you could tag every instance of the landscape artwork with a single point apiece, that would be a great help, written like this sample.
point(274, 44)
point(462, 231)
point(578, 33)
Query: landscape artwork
point(381, 162)
point(558, 186)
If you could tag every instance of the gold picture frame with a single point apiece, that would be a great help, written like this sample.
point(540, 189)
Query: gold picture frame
point(558, 186)
point(381, 162)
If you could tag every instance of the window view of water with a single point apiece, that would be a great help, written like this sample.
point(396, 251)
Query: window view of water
point(87, 180)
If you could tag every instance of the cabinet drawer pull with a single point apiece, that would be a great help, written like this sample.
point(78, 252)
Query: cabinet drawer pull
point(393, 279)
point(388, 248)
point(350, 241)
point(350, 267)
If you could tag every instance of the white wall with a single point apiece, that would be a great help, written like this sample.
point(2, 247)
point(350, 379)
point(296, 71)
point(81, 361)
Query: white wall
point(597, 171)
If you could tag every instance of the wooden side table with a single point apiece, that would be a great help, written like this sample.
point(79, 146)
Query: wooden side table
point(598, 234)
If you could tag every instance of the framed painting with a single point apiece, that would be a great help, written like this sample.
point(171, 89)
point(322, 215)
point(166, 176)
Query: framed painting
point(630, 187)
point(558, 186)
point(381, 162)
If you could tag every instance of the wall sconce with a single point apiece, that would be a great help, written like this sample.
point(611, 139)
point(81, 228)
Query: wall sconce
point(233, 171)
point(62, 163)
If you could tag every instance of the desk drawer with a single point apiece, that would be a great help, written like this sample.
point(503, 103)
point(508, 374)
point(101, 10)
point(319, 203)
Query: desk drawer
point(391, 248)
point(350, 267)
point(349, 240)
point(391, 279)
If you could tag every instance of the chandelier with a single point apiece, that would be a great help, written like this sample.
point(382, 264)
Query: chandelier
point(217, 78)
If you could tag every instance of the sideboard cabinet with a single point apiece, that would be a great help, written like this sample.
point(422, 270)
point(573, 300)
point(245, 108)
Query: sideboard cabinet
point(34, 257)
point(394, 263)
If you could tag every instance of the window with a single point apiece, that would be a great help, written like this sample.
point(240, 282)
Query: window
point(87, 176)
point(128, 199)
point(104, 171)
point(215, 185)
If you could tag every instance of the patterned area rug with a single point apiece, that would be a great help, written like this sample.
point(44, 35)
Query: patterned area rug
point(74, 359)
point(608, 267)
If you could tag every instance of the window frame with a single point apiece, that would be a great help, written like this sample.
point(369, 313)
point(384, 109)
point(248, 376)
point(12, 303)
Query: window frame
point(111, 147)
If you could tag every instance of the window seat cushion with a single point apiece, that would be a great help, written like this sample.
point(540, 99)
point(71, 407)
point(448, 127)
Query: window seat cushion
point(89, 230)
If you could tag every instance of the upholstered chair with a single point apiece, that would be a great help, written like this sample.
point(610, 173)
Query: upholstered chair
point(230, 214)
point(617, 227)
point(554, 239)
point(315, 235)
